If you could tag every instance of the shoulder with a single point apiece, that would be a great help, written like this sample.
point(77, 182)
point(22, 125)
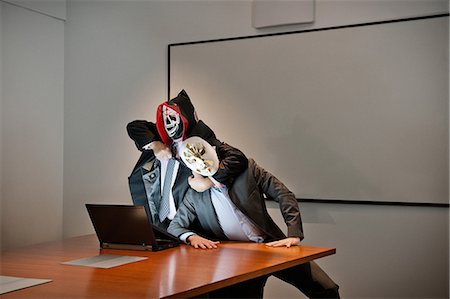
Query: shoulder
point(196, 197)
point(253, 167)
point(204, 131)
point(252, 163)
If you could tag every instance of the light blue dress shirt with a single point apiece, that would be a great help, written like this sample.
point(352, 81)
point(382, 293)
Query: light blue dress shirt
point(235, 225)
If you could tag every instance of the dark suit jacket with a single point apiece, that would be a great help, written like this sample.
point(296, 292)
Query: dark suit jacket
point(144, 180)
point(148, 191)
point(247, 194)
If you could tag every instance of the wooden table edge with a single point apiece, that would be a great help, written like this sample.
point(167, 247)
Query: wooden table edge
point(247, 276)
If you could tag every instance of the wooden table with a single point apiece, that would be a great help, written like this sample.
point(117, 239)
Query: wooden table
point(178, 272)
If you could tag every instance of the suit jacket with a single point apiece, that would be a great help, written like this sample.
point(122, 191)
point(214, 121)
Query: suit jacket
point(144, 181)
point(152, 183)
point(247, 193)
point(145, 178)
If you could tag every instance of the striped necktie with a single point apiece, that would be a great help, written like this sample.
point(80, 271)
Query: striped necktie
point(164, 207)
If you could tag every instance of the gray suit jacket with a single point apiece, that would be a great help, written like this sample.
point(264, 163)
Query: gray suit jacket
point(247, 193)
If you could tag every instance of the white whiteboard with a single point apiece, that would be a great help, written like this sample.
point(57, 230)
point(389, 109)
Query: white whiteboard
point(354, 113)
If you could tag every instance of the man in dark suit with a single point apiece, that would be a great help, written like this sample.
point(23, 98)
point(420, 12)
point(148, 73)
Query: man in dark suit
point(158, 180)
point(239, 213)
point(148, 175)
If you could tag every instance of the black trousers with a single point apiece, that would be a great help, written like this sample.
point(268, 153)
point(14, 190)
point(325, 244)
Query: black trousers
point(309, 278)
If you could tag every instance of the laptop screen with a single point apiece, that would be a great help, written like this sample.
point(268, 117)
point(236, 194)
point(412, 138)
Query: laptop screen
point(121, 224)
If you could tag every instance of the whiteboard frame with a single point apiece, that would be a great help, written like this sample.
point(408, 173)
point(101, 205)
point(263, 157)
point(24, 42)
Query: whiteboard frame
point(328, 200)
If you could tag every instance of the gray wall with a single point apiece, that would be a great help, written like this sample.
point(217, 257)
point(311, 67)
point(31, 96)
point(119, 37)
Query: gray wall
point(381, 251)
point(1, 131)
point(116, 71)
point(31, 124)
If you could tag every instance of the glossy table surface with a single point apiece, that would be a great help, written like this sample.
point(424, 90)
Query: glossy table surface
point(177, 272)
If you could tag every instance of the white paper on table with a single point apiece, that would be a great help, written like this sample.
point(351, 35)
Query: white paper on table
point(105, 260)
point(11, 283)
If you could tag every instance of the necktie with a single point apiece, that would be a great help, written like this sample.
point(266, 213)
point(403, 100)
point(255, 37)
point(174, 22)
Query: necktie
point(164, 207)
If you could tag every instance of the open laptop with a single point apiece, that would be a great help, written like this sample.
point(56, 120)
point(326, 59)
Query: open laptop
point(127, 227)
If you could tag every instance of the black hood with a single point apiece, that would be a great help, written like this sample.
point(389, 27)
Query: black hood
point(182, 106)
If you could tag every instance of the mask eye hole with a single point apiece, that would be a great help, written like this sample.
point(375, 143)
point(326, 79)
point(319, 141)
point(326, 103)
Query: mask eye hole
point(170, 118)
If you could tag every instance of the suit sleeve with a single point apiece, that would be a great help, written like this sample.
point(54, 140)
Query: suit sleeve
point(184, 218)
point(275, 189)
point(232, 163)
point(142, 133)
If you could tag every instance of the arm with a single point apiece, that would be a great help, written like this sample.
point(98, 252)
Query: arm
point(145, 136)
point(184, 217)
point(276, 190)
point(232, 163)
point(179, 227)
point(142, 133)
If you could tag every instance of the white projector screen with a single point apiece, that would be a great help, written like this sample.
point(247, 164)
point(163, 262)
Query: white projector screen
point(357, 113)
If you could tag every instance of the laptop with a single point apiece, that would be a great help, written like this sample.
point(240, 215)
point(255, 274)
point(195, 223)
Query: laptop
point(128, 227)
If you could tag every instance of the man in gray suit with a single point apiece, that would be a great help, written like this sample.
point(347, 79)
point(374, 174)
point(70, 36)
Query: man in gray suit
point(239, 213)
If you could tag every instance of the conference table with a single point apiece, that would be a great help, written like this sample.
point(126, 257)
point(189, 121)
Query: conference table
point(179, 272)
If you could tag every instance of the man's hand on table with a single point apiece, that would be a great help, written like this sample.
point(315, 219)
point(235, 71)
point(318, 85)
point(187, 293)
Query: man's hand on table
point(288, 242)
point(199, 242)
